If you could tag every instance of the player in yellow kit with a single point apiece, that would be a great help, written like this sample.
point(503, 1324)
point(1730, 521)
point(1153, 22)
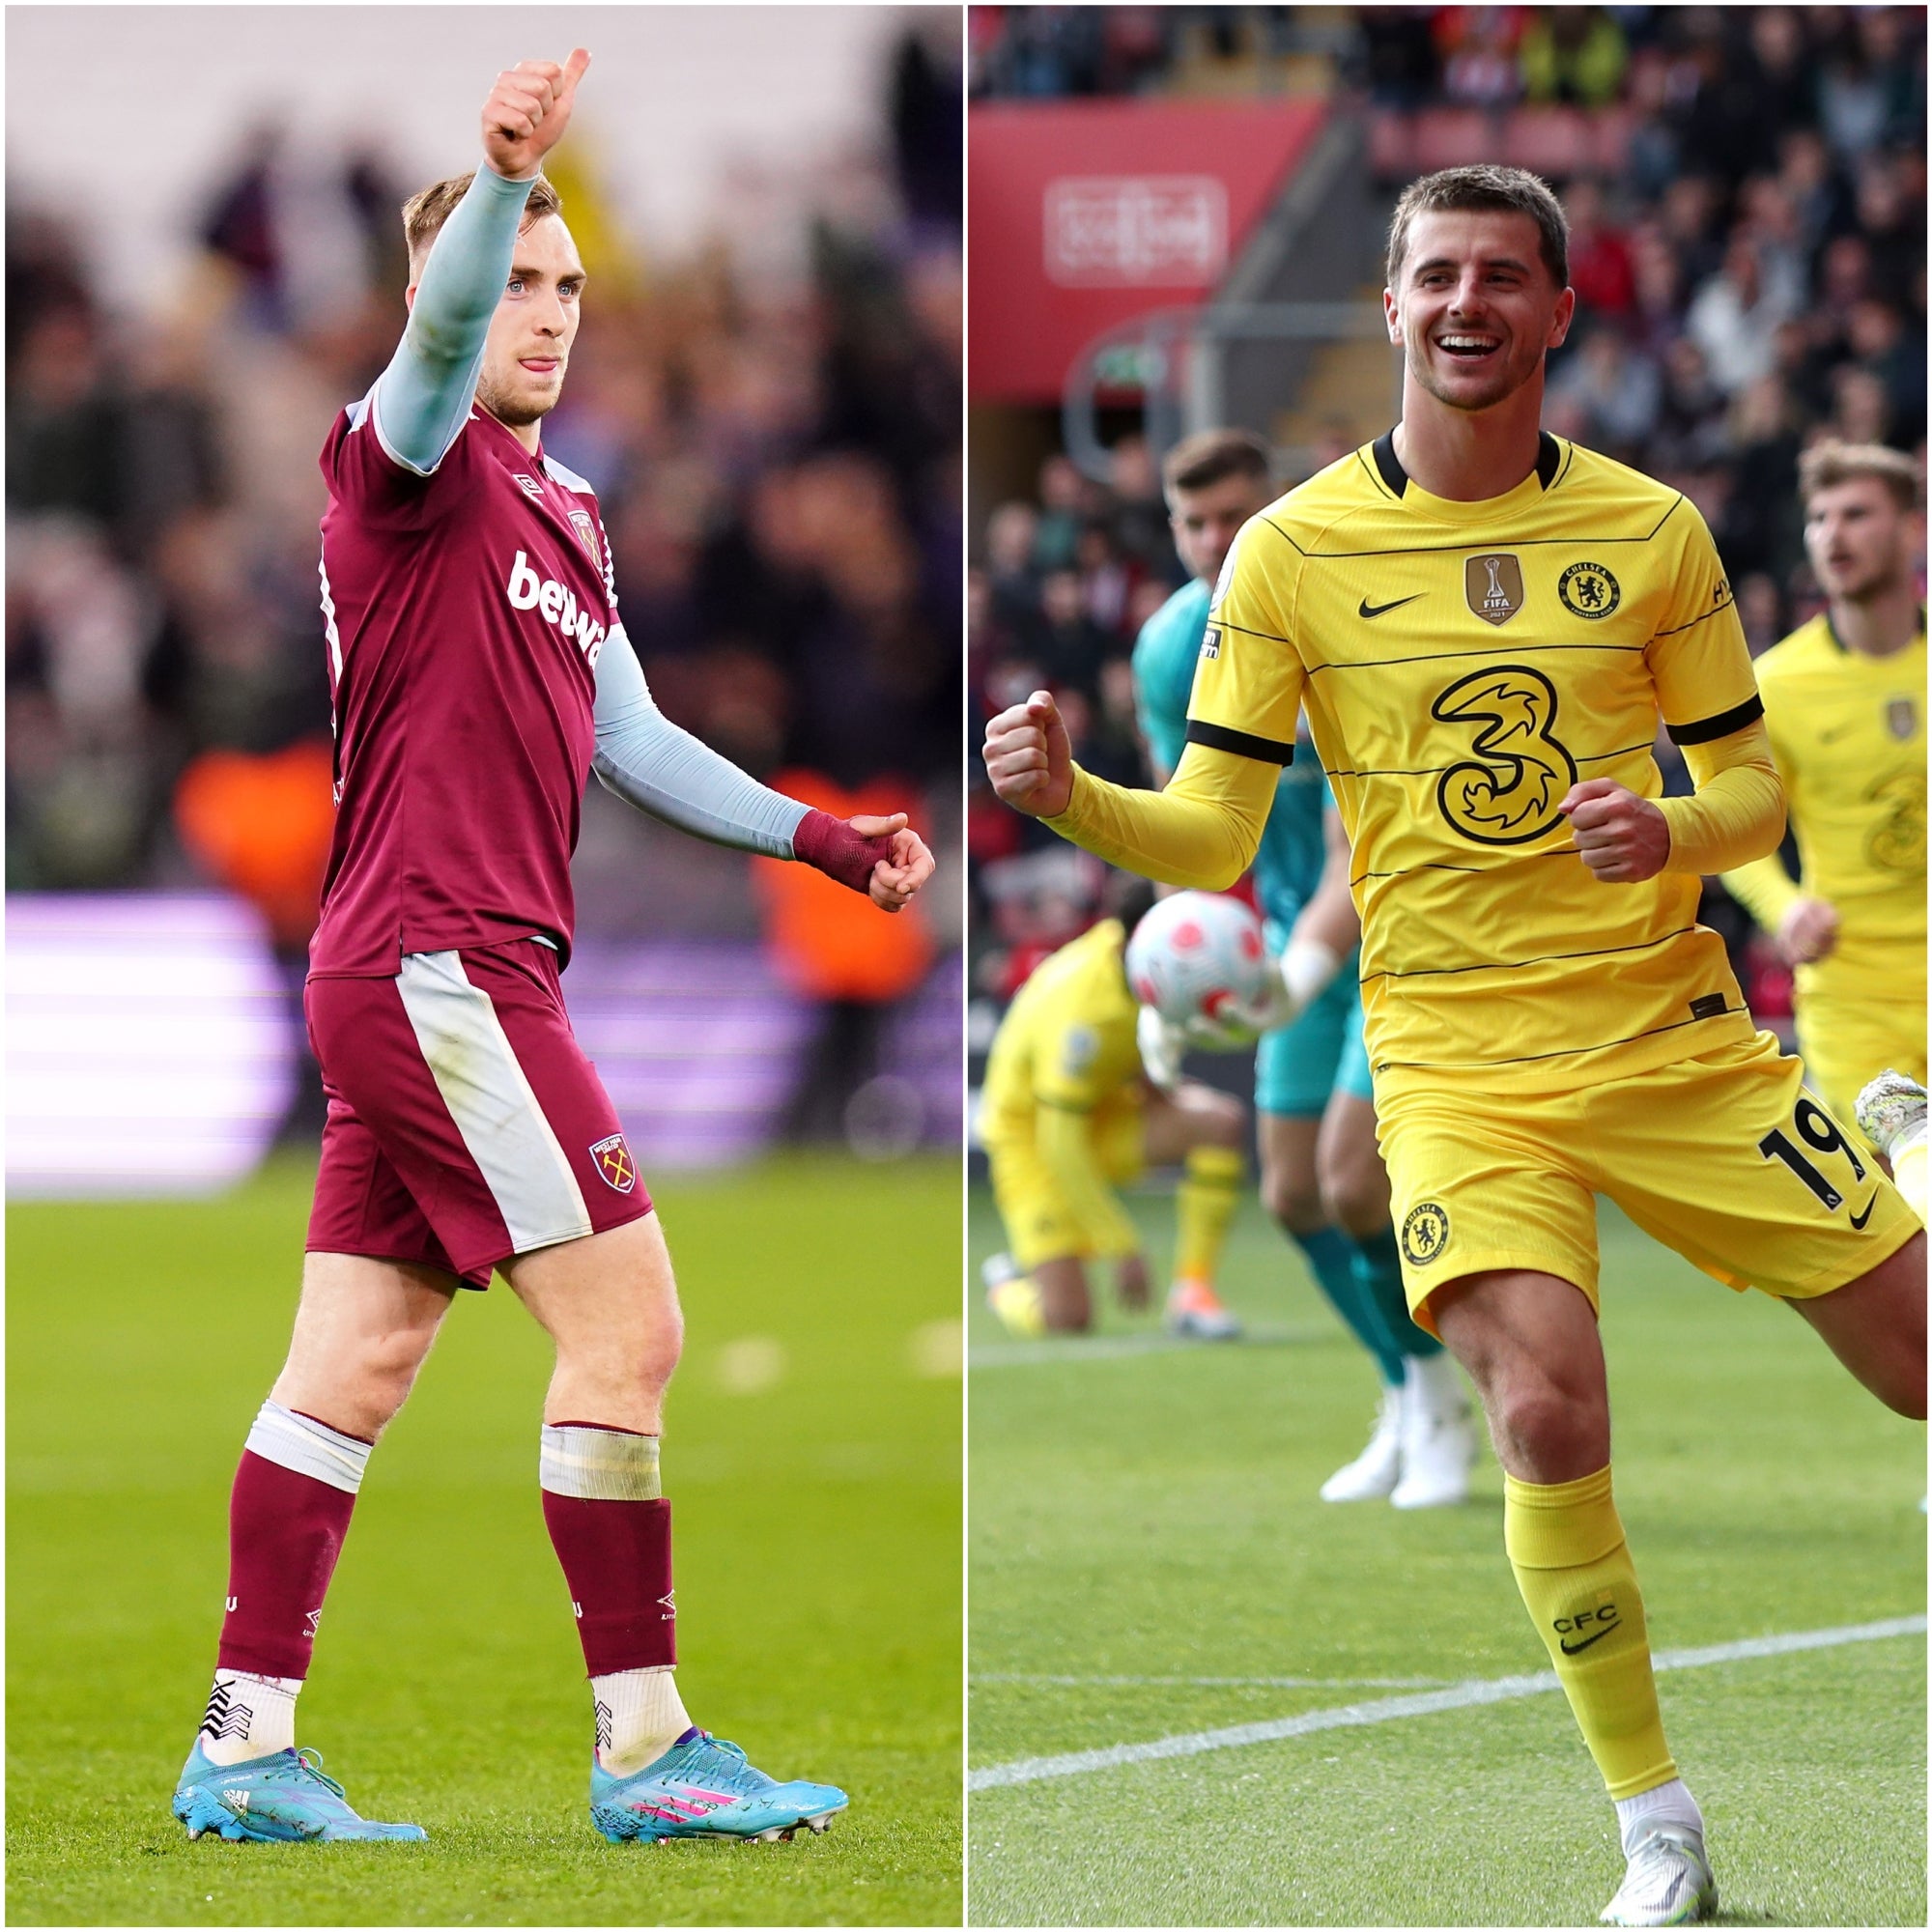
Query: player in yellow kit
point(1065, 1116)
point(1485, 626)
point(1844, 698)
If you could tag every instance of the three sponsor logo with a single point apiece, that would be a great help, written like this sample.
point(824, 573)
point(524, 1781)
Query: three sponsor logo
point(556, 603)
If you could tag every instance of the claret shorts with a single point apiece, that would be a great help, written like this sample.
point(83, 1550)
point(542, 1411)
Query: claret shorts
point(466, 1125)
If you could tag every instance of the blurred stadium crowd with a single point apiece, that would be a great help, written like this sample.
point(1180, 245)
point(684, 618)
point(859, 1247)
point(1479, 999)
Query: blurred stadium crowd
point(1746, 189)
point(771, 422)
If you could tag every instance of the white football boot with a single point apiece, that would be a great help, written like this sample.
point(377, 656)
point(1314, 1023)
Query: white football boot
point(1438, 1437)
point(1668, 1882)
point(1375, 1472)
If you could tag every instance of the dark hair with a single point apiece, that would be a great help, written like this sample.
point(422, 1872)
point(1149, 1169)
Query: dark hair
point(1483, 187)
point(1198, 462)
point(1826, 464)
point(425, 211)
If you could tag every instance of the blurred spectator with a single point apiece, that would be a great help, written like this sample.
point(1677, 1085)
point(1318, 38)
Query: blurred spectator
point(1573, 54)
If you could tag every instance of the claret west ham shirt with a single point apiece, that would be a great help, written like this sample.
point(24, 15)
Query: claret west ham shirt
point(464, 612)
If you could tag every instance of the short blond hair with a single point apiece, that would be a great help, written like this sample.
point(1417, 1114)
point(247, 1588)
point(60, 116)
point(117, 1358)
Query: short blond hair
point(426, 211)
point(1827, 465)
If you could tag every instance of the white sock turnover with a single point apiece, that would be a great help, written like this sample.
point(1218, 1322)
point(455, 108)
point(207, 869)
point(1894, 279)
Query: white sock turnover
point(1662, 1804)
point(249, 1717)
point(639, 1716)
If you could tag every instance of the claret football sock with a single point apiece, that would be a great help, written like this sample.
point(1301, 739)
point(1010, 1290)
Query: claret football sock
point(294, 1493)
point(249, 1717)
point(611, 1527)
point(1567, 1547)
point(639, 1716)
point(1204, 1203)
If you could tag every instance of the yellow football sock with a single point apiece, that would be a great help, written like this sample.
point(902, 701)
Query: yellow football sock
point(1204, 1203)
point(1908, 1174)
point(1577, 1579)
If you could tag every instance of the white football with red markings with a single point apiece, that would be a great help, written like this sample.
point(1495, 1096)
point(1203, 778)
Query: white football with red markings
point(1199, 961)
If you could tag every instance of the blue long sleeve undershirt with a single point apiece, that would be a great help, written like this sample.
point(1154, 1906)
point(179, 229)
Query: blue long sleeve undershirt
point(661, 769)
point(419, 405)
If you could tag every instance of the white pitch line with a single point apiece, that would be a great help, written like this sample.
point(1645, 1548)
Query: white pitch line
point(1068, 1348)
point(1215, 1682)
point(1387, 1710)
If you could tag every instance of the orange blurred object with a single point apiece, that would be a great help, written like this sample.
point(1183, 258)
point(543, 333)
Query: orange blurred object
point(262, 825)
point(832, 943)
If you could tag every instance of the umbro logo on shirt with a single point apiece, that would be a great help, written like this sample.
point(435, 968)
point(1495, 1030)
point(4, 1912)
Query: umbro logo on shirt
point(557, 604)
point(529, 486)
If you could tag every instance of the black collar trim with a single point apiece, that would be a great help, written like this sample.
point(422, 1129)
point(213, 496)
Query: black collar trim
point(1549, 461)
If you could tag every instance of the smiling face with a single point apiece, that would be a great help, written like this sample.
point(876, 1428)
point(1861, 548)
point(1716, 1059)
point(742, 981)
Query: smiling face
point(1476, 308)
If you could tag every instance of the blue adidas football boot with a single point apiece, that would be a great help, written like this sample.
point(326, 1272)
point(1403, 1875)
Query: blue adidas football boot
point(702, 1788)
point(275, 1799)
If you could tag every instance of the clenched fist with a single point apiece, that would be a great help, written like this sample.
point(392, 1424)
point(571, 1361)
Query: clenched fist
point(1623, 838)
point(528, 112)
point(1029, 758)
point(1808, 931)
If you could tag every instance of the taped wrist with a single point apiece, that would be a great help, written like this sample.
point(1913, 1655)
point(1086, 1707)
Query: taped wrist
point(838, 851)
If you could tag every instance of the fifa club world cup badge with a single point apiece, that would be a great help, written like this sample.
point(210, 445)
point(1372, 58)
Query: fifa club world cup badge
point(614, 1163)
point(1425, 1232)
point(586, 535)
point(1901, 717)
point(1494, 586)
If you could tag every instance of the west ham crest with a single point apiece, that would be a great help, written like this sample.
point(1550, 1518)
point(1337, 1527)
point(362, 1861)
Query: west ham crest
point(614, 1163)
point(586, 535)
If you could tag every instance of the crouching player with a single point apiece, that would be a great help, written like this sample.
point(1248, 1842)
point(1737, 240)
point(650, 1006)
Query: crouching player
point(477, 668)
point(1321, 1177)
point(1065, 1118)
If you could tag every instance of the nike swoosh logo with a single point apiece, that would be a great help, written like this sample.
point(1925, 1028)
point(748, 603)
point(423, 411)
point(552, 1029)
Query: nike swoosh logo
point(1368, 609)
point(1570, 1649)
point(1859, 1220)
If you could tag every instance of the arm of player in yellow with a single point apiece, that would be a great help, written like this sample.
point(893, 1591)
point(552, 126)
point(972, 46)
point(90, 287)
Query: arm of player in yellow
point(1201, 831)
point(1737, 813)
point(1066, 1142)
point(1765, 890)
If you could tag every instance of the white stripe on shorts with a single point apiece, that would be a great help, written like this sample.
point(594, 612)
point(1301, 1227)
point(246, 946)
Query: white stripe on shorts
point(490, 1099)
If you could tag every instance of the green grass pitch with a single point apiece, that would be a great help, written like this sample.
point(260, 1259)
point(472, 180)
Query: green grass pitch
point(813, 1457)
point(1147, 1548)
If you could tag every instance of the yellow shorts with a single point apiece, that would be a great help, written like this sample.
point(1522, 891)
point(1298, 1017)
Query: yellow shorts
point(1723, 1157)
point(1843, 1046)
point(1040, 1226)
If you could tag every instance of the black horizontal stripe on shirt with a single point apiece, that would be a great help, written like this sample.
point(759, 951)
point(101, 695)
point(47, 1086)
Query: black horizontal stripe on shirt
point(1222, 624)
point(1704, 617)
point(1719, 726)
point(1445, 657)
point(1243, 744)
point(1540, 959)
point(1505, 857)
point(1464, 543)
point(1433, 771)
point(1555, 1053)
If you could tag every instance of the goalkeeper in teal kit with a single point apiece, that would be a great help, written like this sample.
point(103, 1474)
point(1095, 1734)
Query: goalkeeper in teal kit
point(1322, 1174)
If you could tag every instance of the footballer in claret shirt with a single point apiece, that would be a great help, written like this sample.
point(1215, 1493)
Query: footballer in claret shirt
point(480, 673)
